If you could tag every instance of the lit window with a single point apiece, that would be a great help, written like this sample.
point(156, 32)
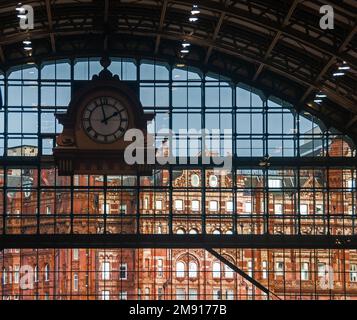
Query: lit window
point(192, 270)
point(247, 207)
point(229, 232)
point(305, 271)
point(229, 294)
point(123, 271)
point(178, 205)
point(180, 231)
point(47, 272)
point(278, 209)
point(229, 206)
point(180, 269)
point(4, 276)
point(147, 293)
point(123, 295)
point(146, 203)
point(48, 210)
point(158, 204)
point(75, 282)
point(353, 273)
point(321, 269)
point(319, 209)
point(195, 205)
point(228, 272)
point(217, 294)
point(213, 206)
point(195, 180)
point(105, 295)
point(303, 209)
point(216, 270)
point(351, 184)
point(75, 254)
point(17, 274)
point(193, 231)
point(275, 183)
point(250, 268)
point(35, 276)
point(160, 267)
point(123, 209)
point(216, 232)
point(264, 270)
point(105, 270)
point(180, 294)
point(192, 294)
point(213, 181)
point(279, 268)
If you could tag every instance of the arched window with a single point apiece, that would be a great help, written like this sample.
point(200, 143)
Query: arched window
point(193, 231)
point(180, 269)
point(228, 232)
point(217, 232)
point(195, 180)
point(216, 269)
point(47, 272)
point(180, 231)
point(192, 269)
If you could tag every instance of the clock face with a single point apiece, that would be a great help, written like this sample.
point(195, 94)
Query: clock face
point(105, 119)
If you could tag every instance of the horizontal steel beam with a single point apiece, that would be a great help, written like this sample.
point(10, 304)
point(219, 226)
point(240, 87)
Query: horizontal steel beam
point(178, 241)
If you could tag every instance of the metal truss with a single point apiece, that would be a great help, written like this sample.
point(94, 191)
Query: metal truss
point(178, 241)
point(276, 46)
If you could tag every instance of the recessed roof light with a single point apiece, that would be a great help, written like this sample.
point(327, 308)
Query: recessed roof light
point(184, 51)
point(338, 74)
point(321, 95)
point(185, 44)
point(193, 19)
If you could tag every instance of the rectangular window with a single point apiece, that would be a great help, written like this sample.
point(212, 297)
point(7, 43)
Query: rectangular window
point(160, 293)
point(303, 209)
point(178, 205)
point(180, 294)
point(229, 294)
point(195, 205)
point(217, 294)
point(105, 270)
point(321, 269)
point(264, 270)
point(146, 203)
point(123, 209)
point(275, 183)
point(123, 295)
point(305, 271)
point(160, 268)
point(158, 205)
point(250, 268)
point(75, 281)
point(247, 207)
point(213, 206)
point(75, 254)
point(353, 273)
point(123, 271)
point(17, 274)
point(229, 206)
point(192, 294)
point(105, 295)
point(278, 208)
point(279, 268)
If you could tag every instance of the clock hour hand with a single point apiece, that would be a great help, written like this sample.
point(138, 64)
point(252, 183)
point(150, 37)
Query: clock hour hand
point(105, 120)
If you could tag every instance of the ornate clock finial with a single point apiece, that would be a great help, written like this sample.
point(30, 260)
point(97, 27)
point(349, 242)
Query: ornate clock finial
point(105, 62)
point(105, 74)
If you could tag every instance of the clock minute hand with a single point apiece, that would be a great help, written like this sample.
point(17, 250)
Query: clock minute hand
point(104, 116)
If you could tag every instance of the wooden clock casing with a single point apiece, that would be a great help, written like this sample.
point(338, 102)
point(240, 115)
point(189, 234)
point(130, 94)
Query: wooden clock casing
point(76, 152)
